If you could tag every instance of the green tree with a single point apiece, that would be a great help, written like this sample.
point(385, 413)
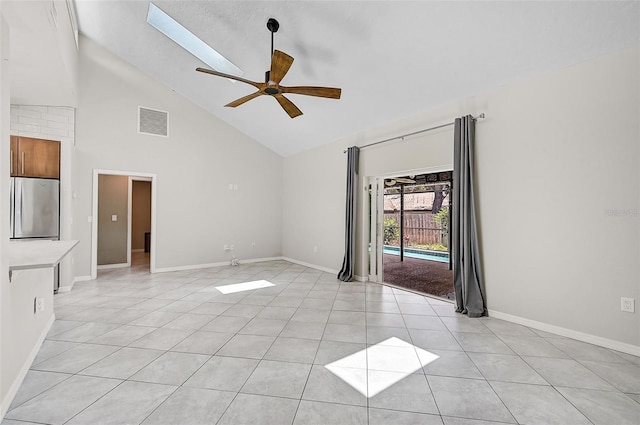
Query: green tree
point(441, 219)
point(391, 231)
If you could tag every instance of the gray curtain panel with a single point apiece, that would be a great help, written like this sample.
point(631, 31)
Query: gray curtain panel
point(467, 270)
point(348, 265)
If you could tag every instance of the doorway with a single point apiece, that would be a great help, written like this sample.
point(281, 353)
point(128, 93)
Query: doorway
point(118, 230)
point(140, 222)
point(412, 232)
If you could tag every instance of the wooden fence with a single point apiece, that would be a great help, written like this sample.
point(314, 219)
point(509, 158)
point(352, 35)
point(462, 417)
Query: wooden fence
point(419, 228)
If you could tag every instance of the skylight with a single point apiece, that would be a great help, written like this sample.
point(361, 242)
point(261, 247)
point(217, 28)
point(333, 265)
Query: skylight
point(246, 286)
point(189, 41)
point(374, 369)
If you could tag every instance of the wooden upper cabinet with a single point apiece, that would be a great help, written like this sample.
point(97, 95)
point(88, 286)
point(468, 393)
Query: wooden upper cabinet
point(35, 157)
point(14, 156)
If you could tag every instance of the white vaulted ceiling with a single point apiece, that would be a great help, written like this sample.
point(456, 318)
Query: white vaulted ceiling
point(392, 59)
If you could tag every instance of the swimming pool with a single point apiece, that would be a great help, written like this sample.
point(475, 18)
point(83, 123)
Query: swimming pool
point(421, 254)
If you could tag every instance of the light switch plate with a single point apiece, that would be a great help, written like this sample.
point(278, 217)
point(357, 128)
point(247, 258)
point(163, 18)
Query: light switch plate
point(114, 217)
point(38, 304)
point(627, 304)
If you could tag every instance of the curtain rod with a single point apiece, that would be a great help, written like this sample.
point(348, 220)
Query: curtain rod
point(481, 116)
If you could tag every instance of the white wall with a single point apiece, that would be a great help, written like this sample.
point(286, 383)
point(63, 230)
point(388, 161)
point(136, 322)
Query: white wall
point(313, 207)
point(44, 52)
point(196, 212)
point(559, 188)
point(4, 201)
point(23, 330)
point(555, 156)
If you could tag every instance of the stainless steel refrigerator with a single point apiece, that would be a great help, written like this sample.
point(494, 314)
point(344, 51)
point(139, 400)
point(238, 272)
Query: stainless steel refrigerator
point(35, 212)
point(35, 208)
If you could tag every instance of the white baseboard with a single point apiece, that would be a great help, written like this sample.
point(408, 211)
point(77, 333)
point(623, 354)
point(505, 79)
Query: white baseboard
point(191, 267)
point(77, 279)
point(569, 333)
point(260, 260)
point(113, 266)
point(247, 261)
point(361, 278)
point(312, 266)
point(67, 288)
point(82, 278)
point(15, 385)
point(210, 265)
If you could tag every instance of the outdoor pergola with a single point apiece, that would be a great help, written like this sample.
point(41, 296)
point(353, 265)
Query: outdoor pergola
point(438, 183)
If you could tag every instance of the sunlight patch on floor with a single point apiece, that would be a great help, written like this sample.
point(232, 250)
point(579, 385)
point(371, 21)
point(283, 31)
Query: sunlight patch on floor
point(245, 286)
point(374, 369)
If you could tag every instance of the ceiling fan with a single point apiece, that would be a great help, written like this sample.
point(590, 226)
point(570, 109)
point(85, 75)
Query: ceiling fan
point(280, 64)
point(392, 182)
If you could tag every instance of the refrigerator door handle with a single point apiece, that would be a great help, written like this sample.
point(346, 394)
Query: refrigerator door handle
point(11, 207)
point(17, 219)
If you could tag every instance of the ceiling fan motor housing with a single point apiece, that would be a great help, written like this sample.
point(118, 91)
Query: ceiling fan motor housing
point(273, 25)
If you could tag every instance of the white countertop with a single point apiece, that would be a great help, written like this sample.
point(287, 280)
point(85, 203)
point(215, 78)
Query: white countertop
point(37, 254)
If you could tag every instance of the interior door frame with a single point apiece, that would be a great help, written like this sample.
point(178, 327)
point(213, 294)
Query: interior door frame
point(376, 239)
point(132, 175)
point(130, 213)
point(376, 208)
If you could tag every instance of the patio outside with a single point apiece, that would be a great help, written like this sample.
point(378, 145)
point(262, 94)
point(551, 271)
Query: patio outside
point(416, 233)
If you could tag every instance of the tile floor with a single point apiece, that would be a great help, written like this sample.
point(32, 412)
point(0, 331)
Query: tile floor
point(136, 348)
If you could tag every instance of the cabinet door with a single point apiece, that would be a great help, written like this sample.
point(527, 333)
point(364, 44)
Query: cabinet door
point(14, 156)
point(38, 158)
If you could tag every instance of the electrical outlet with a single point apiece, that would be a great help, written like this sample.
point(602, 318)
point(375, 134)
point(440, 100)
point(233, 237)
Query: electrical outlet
point(38, 304)
point(627, 304)
point(226, 247)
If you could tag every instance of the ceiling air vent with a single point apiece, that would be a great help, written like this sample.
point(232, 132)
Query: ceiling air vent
point(153, 122)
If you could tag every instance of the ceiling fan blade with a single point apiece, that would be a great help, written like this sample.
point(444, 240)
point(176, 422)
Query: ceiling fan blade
point(288, 106)
point(280, 64)
point(405, 180)
point(231, 77)
point(330, 92)
point(244, 99)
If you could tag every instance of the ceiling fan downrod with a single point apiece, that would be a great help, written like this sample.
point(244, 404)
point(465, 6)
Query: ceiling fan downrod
point(272, 25)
